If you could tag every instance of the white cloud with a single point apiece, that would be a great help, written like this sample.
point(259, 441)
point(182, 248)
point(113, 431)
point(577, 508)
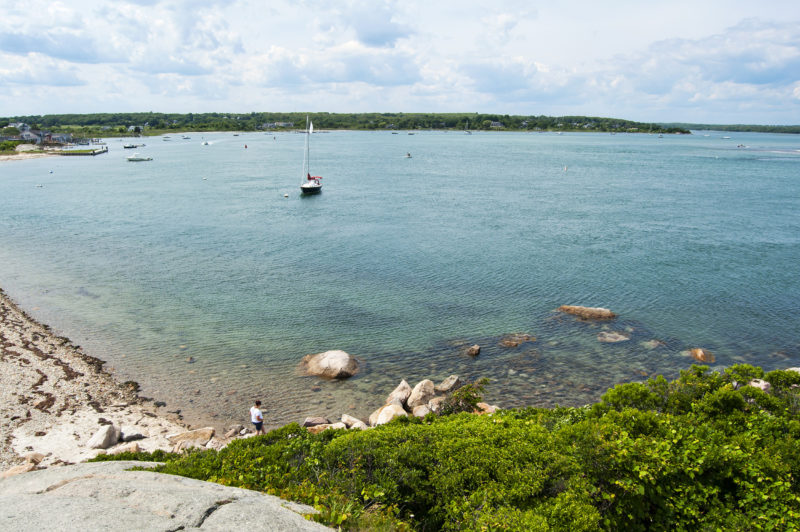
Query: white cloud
point(632, 61)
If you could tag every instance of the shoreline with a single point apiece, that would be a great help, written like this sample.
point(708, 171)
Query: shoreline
point(24, 155)
point(54, 397)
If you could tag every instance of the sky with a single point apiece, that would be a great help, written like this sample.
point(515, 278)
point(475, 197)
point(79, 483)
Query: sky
point(713, 61)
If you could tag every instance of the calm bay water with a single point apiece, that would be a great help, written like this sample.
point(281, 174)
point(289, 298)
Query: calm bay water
point(692, 240)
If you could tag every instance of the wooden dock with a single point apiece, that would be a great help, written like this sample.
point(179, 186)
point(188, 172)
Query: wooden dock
point(83, 152)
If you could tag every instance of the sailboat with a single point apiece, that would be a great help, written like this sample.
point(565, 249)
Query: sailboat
point(311, 184)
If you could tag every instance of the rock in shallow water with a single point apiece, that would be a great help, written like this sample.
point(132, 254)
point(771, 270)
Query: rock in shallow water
point(702, 355)
point(587, 313)
point(611, 337)
point(334, 364)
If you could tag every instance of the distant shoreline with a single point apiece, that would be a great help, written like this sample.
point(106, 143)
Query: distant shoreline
point(21, 156)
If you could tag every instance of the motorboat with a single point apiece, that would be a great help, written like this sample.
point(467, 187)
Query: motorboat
point(136, 157)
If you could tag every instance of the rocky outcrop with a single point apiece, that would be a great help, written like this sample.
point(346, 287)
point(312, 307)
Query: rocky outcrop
point(104, 496)
point(335, 364)
point(587, 313)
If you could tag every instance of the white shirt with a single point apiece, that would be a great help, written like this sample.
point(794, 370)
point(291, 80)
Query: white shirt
point(255, 415)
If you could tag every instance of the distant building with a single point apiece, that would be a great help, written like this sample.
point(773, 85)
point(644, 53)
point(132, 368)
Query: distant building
point(275, 125)
point(31, 135)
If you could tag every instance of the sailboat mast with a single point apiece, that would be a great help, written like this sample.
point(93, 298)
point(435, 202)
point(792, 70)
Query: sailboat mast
point(305, 155)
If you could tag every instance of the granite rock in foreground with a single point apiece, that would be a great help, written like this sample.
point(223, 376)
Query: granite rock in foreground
point(103, 496)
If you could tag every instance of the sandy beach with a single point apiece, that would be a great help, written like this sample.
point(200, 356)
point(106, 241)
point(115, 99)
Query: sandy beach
point(19, 156)
point(54, 397)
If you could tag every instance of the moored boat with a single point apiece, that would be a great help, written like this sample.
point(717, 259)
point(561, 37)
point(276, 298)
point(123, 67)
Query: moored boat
point(136, 157)
point(312, 184)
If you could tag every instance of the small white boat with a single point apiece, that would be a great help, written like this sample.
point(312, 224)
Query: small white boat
point(136, 157)
point(312, 183)
point(205, 143)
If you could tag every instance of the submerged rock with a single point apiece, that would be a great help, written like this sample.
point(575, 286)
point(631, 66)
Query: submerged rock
point(612, 337)
point(653, 344)
point(515, 339)
point(334, 364)
point(587, 313)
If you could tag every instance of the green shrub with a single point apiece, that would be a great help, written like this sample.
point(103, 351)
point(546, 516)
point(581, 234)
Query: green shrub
point(695, 453)
point(465, 399)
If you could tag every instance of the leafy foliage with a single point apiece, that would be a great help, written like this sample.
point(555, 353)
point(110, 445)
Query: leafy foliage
point(705, 451)
point(109, 124)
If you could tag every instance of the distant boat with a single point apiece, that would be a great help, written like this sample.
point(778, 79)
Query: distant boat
point(136, 157)
point(466, 129)
point(311, 184)
point(205, 143)
point(127, 146)
point(725, 137)
point(408, 155)
point(185, 137)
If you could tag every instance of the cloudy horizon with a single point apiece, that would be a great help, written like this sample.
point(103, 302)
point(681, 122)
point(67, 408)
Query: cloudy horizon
point(715, 62)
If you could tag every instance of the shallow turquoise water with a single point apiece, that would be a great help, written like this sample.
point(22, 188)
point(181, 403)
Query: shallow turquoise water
point(692, 240)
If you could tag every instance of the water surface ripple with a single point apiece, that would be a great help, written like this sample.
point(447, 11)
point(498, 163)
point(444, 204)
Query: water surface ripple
point(198, 256)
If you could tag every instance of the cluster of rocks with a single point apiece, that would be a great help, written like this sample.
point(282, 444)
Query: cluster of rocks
point(424, 398)
point(113, 439)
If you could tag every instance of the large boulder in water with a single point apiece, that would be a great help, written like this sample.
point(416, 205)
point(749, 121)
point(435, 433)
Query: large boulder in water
point(587, 313)
point(334, 364)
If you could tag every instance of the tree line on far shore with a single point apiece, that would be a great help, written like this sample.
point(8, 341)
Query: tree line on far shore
point(116, 124)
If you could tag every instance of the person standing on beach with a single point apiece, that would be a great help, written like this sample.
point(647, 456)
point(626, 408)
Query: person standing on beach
point(257, 418)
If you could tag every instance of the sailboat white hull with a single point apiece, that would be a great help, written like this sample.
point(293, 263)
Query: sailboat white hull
point(311, 188)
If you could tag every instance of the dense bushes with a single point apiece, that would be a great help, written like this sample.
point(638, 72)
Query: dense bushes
point(705, 451)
